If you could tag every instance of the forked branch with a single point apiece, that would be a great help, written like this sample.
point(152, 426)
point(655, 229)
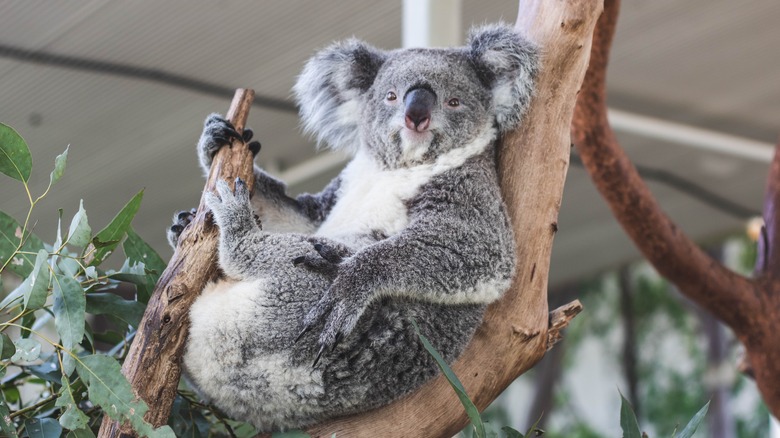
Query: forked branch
point(532, 166)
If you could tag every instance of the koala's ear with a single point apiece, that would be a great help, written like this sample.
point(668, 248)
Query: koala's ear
point(508, 64)
point(330, 90)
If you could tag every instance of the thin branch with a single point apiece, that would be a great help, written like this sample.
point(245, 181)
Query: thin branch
point(674, 255)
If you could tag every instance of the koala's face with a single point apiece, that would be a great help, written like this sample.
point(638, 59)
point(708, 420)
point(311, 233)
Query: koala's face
point(408, 107)
point(423, 103)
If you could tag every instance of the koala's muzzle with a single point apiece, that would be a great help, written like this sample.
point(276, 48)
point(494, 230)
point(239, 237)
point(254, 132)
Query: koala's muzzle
point(419, 103)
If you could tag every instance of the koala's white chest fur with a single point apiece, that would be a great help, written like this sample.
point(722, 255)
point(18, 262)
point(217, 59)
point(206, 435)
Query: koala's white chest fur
point(372, 199)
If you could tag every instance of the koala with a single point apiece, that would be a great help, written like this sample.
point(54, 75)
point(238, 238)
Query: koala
point(314, 316)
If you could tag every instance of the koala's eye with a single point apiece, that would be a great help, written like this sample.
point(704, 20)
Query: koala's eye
point(391, 96)
point(454, 102)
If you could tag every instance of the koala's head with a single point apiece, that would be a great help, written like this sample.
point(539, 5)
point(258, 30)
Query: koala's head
point(409, 106)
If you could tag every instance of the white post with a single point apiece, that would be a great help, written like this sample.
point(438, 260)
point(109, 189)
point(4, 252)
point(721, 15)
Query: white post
point(431, 23)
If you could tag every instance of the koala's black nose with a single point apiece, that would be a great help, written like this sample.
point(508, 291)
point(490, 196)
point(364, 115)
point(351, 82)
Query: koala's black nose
point(419, 103)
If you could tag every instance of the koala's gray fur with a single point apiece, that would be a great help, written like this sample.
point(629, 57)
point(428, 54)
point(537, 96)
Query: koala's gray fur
point(414, 228)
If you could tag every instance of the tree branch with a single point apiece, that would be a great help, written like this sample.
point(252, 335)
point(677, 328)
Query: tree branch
point(532, 166)
point(675, 256)
point(153, 364)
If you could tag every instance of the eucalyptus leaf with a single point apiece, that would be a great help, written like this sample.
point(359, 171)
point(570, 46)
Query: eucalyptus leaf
point(15, 158)
point(35, 296)
point(72, 417)
point(7, 348)
point(79, 232)
point(137, 250)
point(115, 230)
point(80, 433)
point(512, 433)
point(628, 420)
point(20, 291)
point(27, 350)
point(69, 307)
point(692, 425)
point(105, 303)
point(10, 234)
point(59, 167)
point(109, 389)
point(42, 427)
point(468, 405)
point(6, 424)
point(49, 370)
point(68, 266)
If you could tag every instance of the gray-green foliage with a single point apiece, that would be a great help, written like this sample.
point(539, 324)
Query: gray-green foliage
point(64, 282)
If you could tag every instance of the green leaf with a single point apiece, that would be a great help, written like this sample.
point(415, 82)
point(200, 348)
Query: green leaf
point(10, 233)
point(6, 424)
point(7, 348)
point(137, 275)
point(471, 410)
point(109, 389)
point(17, 293)
point(27, 350)
point(59, 167)
point(79, 232)
point(512, 433)
point(628, 420)
point(692, 425)
point(80, 433)
point(69, 307)
point(137, 250)
point(106, 303)
point(115, 230)
point(42, 427)
point(35, 296)
point(48, 371)
point(15, 158)
point(72, 417)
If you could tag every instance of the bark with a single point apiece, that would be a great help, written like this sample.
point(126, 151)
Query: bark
point(533, 164)
point(152, 365)
point(750, 307)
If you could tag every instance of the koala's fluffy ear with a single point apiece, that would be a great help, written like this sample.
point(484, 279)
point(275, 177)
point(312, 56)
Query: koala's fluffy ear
point(508, 63)
point(331, 88)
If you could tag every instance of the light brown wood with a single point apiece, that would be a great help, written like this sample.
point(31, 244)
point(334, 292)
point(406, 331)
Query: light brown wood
point(533, 165)
point(153, 364)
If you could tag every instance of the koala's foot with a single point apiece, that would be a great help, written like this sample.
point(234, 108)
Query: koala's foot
point(231, 208)
point(180, 220)
point(218, 133)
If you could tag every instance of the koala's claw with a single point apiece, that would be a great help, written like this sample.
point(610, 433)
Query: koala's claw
point(218, 132)
point(319, 354)
point(180, 221)
point(300, 335)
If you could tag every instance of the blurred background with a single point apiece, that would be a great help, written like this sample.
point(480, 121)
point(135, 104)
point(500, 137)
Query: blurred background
point(694, 96)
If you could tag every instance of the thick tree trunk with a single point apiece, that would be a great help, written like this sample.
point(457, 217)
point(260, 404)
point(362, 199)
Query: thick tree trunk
point(750, 307)
point(153, 364)
point(533, 165)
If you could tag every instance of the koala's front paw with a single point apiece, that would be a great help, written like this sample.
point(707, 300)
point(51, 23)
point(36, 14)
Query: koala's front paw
point(218, 133)
point(230, 208)
point(340, 307)
point(180, 220)
point(325, 262)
